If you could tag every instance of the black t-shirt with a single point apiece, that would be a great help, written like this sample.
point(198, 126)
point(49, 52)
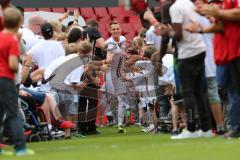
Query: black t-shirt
point(93, 33)
point(165, 13)
point(100, 54)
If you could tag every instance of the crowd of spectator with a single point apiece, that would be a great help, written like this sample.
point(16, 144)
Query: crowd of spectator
point(179, 75)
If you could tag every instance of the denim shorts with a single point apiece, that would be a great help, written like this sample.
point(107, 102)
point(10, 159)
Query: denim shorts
point(212, 88)
point(66, 102)
point(39, 97)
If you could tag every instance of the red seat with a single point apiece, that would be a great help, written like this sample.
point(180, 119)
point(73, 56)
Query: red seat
point(137, 27)
point(134, 19)
point(59, 10)
point(130, 36)
point(100, 12)
point(87, 13)
point(104, 23)
point(90, 17)
point(105, 19)
point(120, 19)
point(128, 14)
point(105, 35)
point(44, 9)
point(107, 26)
point(126, 28)
point(102, 28)
point(30, 9)
point(116, 11)
point(72, 9)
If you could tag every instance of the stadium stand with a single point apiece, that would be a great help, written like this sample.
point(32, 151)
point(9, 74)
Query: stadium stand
point(44, 9)
point(130, 22)
point(101, 12)
point(59, 10)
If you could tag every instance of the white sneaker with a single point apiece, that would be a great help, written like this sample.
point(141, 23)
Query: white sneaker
point(150, 128)
point(206, 134)
point(57, 133)
point(185, 135)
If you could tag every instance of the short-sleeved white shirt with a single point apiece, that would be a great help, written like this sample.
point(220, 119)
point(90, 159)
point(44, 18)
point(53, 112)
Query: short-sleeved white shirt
point(29, 38)
point(210, 66)
point(75, 76)
point(120, 86)
point(118, 45)
point(19, 74)
point(145, 82)
point(152, 38)
point(168, 63)
point(182, 11)
point(45, 52)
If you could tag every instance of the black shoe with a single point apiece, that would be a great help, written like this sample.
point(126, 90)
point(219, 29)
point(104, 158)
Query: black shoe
point(163, 130)
point(232, 134)
point(79, 135)
point(221, 132)
point(175, 132)
point(84, 133)
point(93, 132)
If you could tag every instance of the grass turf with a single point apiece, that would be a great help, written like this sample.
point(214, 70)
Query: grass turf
point(133, 145)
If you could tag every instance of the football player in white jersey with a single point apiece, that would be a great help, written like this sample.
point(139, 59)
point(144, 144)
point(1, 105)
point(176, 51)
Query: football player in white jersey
point(116, 47)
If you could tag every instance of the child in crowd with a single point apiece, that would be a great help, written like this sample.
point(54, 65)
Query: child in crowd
point(9, 49)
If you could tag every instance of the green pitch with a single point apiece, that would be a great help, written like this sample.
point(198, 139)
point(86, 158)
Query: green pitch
point(134, 145)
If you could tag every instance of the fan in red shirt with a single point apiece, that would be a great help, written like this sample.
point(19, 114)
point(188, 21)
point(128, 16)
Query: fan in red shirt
point(226, 43)
point(8, 47)
point(9, 53)
point(232, 32)
point(227, 54)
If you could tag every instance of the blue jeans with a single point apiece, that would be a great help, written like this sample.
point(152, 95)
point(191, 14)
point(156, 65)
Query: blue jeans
point(225, 80)
point(9, 108)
